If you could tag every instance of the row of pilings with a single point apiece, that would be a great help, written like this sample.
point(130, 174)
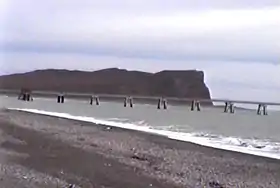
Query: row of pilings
point(25, 96)
point(195, 105)
point(161, 103)
point(230, 108)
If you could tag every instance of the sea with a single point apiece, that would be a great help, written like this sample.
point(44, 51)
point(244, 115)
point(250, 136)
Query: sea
point(244, 131)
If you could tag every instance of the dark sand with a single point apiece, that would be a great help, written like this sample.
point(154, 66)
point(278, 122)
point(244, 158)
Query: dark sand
point(43, 151)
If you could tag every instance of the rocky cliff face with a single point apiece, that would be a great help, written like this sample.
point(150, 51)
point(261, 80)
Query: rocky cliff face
point(187, 84)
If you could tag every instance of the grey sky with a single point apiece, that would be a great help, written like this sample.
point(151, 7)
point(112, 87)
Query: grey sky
point(235, 42)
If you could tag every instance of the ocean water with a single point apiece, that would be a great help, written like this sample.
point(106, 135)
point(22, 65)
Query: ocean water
point(243, 131)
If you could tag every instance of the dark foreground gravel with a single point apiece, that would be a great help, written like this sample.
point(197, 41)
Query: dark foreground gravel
point(43, 151)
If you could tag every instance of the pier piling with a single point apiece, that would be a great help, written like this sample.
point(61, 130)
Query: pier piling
point(130, 102)
point(164, 103)
point(60, 98)
point(262, 108)
point(28, 97)
point(125, 102)
point(159, 103)
point(91, 100)
point(25, 95)
point(226, 107)
point(97, 101)
point(192, 105)
point(229, 107)
point(265, 110)
point(195, 104)
point(259, 109)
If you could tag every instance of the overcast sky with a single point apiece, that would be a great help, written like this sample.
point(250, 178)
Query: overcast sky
point(235, 42)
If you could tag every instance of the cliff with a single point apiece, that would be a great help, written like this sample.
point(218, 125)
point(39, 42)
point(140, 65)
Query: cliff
point(189, 83)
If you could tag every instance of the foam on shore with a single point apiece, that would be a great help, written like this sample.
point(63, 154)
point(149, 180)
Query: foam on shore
point(248, 146)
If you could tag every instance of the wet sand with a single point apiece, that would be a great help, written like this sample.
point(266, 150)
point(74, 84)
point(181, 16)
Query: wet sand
point(44, 151)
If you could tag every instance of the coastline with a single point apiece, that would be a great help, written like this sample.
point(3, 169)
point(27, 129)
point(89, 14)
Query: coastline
point(248, 148)
point(154, 158)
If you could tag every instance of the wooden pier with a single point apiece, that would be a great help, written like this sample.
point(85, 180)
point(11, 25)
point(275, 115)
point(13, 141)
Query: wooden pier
point(129, 101)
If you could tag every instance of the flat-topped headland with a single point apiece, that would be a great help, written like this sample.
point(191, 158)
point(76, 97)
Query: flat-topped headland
point(168, 83)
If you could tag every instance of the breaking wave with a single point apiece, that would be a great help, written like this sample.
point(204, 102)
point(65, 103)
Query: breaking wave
point(264, 148)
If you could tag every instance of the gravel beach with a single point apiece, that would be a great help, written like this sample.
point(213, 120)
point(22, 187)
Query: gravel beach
point(43, 151)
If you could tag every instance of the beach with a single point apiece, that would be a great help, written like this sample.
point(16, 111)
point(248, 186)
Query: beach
point(47, 151)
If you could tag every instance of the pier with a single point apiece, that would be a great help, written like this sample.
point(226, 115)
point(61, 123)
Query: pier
point(130, 101)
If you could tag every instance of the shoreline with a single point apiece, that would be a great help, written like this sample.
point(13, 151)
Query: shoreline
point(166, 134)
point(65, 161)
point(173, 162)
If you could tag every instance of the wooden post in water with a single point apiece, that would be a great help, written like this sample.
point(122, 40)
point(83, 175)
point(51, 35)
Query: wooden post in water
point(128, 100)
point(192, 105)
point(229, 107)
point(97, 101)
point(265, 110)
point(94, 98)
point(131, 102)
point(226, 107)
point(28, 97)
point(262, 108)
point(91, 100)
point(164, 102)
point(60, 98)
point(25, 95)
point(159, 103)
point(195, 104)
point(125, 102)
point(259, 109)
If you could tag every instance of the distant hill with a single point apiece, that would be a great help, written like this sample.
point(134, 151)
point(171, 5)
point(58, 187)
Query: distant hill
point(189, 83)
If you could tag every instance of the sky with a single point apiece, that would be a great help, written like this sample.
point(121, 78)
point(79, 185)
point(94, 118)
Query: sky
point(235, 42)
